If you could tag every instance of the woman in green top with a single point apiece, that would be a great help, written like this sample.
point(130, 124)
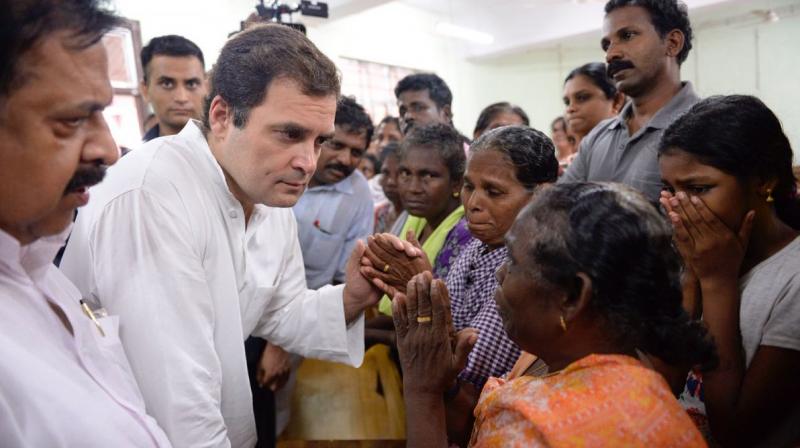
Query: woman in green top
point(431, 172)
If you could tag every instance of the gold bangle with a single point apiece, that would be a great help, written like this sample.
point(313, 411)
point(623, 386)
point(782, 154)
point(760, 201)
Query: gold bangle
point(423, 319)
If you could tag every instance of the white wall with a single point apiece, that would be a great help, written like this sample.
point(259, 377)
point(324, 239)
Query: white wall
point(757, 59)
point(397, 34)
point(205, 22)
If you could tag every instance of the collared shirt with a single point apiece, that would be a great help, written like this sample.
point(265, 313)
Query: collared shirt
point(59, 389)
point(163, 244)
point(376, 190)
point(471, 284)
point(610, 154)
point(330, 219)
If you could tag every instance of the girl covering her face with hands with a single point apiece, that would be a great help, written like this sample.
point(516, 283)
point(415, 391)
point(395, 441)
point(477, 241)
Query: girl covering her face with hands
point(731, 197)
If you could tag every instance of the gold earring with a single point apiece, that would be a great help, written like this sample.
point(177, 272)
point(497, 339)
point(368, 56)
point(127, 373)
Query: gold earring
point(456, 194)
point(769, 195)
point(563, 324)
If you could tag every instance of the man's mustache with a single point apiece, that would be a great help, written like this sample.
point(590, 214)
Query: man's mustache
point(338, 166)
point(86, 177)
point(615, 66)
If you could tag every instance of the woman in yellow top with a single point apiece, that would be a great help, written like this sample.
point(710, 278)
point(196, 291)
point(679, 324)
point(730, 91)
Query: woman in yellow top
point(431, 173)
point(591, 277)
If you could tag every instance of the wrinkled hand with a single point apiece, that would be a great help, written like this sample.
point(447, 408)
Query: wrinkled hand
point(274, 368)
point(709, 247)
point(359, 292)
point(430, 353)
point(391, 262)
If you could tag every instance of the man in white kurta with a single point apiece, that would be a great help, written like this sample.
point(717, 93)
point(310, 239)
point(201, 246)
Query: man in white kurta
point(164, 245)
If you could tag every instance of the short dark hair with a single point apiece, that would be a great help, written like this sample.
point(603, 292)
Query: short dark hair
point(170, 45)
point(530, 152)
point(741, 136)
point(442, 140)
point(390, 149)
point(252, 59)
point(436, 87)
point(24, 23)
point(352, 117)
point(665, 15)
point(612, 234)
point(597, 73)
point(491, 111)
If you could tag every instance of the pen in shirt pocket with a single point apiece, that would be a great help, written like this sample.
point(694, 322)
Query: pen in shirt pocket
point(318, 226)
point(90, 314)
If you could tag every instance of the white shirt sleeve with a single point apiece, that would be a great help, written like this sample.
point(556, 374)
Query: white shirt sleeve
point(166, 309)
point(323, 332)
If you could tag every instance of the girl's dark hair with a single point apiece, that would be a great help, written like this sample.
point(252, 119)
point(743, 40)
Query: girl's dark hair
point(388, 150)
point(444, 141)
point(620, 241)
point(596, 72)
point(740, 135)
point(530, 151)
point(493, 110)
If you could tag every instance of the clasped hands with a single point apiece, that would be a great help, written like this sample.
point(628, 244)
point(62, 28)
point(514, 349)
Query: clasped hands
point(390, 264)
point(709, 247)
point(431, 352)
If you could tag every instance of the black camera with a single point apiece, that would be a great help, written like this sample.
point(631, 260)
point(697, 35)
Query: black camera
point(275, 11)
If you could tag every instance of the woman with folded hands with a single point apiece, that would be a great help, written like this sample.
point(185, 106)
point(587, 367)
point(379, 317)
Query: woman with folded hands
point(591, 278)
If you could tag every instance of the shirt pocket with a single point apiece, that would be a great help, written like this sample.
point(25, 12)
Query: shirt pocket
point(110, 343)
point(323, 251)
point(114, 360)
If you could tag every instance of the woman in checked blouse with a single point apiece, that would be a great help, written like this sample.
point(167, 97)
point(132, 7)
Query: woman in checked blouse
point(504, 167)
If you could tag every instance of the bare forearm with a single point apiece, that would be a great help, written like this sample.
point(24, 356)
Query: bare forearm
point(459, 411)
point(425, 420)
point(692, 298)
point(722, 386)
point(352, 310)
point(355, 304)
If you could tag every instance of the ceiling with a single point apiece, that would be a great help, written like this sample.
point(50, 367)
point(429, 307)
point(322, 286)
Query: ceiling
point(520, 25)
